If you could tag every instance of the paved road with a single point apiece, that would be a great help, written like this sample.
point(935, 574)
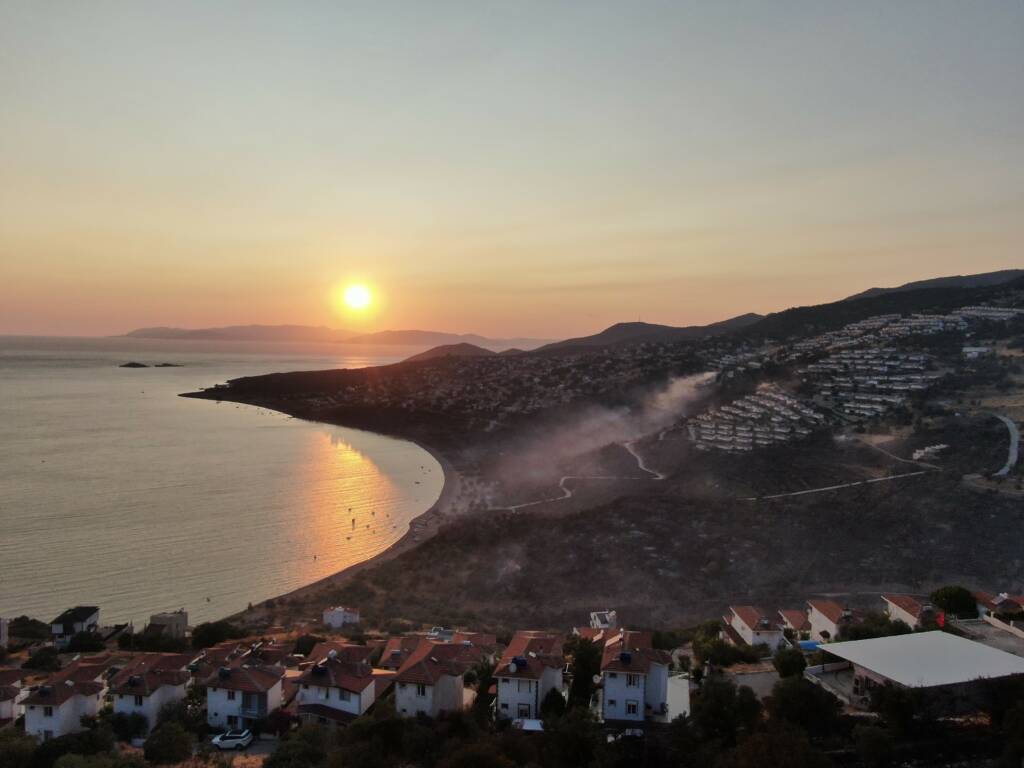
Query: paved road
point(1012, 454)
point(837, 487)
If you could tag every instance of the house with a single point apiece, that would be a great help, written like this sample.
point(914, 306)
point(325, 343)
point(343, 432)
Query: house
point(170, 624)
point(948, 669)
point(337, 689)
point(239, 695)
point(604, 620)
point(339, 616)
point(746, 625)
point(397, 651)
point(431, 681)
point(827, 619)
point(1001, 603)
point(10, 693)
point(796, 621)
point(56, 707)
point(907, 609)
point(149, 682)
point(635, 680)
point(530, 668)
point(82, 618)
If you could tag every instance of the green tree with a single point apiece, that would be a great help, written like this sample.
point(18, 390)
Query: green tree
point(92, 742)
point(306, 643)
point(85, 642)
point(553, 705)
point(799, 702)
point(46, 659)
point(571, 740)
point(16, 750)
point(875, 746)
point(127, 726)
point(721, 711)
point(789, 662)
point(213, 632)
point(308, 747)
point(170, 743)
point(586, 663)
point(956, 600)
point(874, 625)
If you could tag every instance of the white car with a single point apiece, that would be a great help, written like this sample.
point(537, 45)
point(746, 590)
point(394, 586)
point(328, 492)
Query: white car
point(233, 740)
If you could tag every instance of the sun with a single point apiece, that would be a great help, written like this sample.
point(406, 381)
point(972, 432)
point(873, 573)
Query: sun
point(357, 297)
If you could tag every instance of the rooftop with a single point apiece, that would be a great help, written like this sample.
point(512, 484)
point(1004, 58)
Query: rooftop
point(926, 659)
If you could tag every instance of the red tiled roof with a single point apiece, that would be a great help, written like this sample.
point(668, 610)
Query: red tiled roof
point(10, 676)
point(336, 672)
point(593, 635)
point(907, 603)
point(345, 651)
point(751, 616)
point(245, 678)
point(830, 609)
point(795, 618)
point(397, 650)
point(628, 651)
point(538, 649)
point(1008, 603)
point(430, 661)
point(9, 692)
point(143, 682)
point(55, 694)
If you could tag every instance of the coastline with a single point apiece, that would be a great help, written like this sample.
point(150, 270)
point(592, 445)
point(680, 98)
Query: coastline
point(422, 527)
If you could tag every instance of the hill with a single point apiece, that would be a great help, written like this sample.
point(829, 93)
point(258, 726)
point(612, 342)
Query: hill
point(452, 350)
point(639, 333)
point(438, 338)
point(306, 333)
point(955, 281)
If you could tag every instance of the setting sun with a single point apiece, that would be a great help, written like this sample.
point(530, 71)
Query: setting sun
point(357, 297)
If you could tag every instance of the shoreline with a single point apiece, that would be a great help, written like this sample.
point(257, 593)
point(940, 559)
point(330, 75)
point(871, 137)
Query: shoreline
point(422, 527)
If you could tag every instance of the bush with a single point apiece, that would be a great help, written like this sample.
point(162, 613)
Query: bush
point(46, 659)
point(799, 702)
point(94, 742)
point(126, 727)
point(28, 629)
point(789, 662)
point(16, 750)
point(306, 643)
point(170, 743)
point(874, 625)
point(875, 746)
point(213, 632)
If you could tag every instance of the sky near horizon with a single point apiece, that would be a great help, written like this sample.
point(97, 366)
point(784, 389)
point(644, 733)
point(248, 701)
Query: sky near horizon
point(511, 169)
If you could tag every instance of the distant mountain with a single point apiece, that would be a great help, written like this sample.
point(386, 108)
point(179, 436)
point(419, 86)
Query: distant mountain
point(955, 281)
point(638, 333)
point(452, 350)
point(437, 338)
point(300, 333)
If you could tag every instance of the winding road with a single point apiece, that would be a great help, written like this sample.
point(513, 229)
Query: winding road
point(1014, 451)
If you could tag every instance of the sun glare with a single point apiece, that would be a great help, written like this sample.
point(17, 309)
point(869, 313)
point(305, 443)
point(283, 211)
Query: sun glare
point(357, 297)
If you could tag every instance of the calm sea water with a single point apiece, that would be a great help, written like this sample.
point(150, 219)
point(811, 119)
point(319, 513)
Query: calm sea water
point(116, 492)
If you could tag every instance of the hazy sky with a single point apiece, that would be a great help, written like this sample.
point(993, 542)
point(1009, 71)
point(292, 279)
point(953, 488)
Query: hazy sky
point(542, 168)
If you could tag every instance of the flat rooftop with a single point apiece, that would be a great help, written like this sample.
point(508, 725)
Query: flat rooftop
point(925, 659)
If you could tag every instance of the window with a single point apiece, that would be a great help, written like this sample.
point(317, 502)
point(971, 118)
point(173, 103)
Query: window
point(632, 707)
point(612, 675)
point(504, 681)
point(138, 701)
point(421, 690)
point(611, 702)
point(344, 695)
point(524, 710)
point(633, 681)
point(525, 686)
point(231, 695)
point(47, 711)
point(504, 706)
point(232, 721)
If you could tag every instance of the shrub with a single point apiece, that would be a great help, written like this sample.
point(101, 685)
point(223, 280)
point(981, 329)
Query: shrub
point(799, 702)
point(789, 662)
point(170, 743)
point(956, 600)
point(875, 745)
point(126, 727)
point(45, 660)
point(305, 644)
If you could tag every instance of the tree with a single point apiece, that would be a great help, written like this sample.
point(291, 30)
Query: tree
point(85, 642)
point(956, 601)
point(875, 745)
point(571, 740)
point(307, 748)
point(213, 632)
point(92, 742)
point(586, 663)
point(127, 726)
point(553, 705)
point(479, 755)
point(16, 750)
point(789, 662)
point(306, 643)
point(779, 748)
point(46, 659)
point(797, 701)
point(874, 624)
point(170, 743)
point(722, 710)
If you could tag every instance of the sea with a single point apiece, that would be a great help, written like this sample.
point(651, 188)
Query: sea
point(116, 492)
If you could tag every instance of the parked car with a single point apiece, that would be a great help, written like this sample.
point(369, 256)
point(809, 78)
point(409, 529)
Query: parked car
point(233, 740)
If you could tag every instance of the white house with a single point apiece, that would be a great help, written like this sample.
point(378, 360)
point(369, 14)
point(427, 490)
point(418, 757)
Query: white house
point(337, 689)
point(82, 618)
point(431, 681)
point(604, 620)
point(635, 679)
point(907, 609)
point(148, 683)
point(745, 624)
point(57, 707)
point(1001, 603)
point(10, 692)
point(795, 620)
point(339, 616)
point(238, 696)
point(827, 619)
point(170, 624)
point(530, 668)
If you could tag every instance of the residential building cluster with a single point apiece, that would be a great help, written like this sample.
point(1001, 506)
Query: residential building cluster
point(768, 417)
point(864, 383)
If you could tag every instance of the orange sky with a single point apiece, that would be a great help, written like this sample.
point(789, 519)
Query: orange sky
point(515, 169)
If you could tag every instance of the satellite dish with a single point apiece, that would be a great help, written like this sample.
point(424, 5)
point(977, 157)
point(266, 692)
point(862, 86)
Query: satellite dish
point(332, 654)
point(597, 679)
point(512, 667)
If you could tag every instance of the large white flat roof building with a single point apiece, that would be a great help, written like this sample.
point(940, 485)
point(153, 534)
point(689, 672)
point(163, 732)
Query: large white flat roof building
point(926, 659)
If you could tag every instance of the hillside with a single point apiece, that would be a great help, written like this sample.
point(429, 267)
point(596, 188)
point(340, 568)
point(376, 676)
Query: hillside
point(980, 280)
point(452, 350)
point(438, 338)
point(638, 333)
